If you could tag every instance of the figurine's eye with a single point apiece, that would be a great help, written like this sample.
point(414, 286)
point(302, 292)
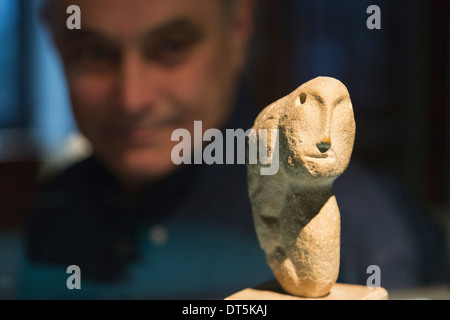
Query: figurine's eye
point(302, 98)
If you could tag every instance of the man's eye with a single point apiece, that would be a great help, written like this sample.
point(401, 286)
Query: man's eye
point(170, 52)
point(94, 54)
point(172, 46)
point(91, 58)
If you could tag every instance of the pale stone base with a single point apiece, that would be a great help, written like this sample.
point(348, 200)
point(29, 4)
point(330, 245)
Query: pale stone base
point(273, 291)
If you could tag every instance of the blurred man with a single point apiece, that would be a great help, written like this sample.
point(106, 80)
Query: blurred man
point(137, 225)
point(139, 70)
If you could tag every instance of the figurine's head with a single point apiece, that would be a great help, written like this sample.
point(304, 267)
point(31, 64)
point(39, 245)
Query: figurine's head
point(317, 130)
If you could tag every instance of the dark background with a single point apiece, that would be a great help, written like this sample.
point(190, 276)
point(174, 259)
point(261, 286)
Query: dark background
point(398, 79)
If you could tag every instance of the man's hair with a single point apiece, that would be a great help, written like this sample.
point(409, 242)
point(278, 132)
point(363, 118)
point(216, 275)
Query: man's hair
point(229, 6)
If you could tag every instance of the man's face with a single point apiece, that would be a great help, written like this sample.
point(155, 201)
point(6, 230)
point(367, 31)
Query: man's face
point(139, 69)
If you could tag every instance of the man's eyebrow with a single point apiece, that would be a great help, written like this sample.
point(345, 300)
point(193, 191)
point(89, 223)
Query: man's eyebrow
point(177, 25)
point(83, 34)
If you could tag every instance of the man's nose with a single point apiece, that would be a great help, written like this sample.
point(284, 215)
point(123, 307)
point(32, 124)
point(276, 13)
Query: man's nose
point(135, 86)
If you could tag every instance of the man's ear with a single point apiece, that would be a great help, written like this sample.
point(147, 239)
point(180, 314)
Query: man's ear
point(242, 29)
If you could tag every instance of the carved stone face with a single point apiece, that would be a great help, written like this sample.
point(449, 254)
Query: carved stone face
point(318, 130)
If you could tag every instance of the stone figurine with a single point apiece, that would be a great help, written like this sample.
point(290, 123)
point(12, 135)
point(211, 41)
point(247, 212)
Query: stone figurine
point(296, 215)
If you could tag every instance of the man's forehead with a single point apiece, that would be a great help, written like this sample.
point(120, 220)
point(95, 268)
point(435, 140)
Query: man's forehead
point(174, 26)
point(125, 17)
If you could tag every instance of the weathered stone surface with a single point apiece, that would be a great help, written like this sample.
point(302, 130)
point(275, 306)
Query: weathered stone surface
point(295, 211)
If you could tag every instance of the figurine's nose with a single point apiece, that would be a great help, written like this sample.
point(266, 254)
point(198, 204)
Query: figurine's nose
point(324, 146)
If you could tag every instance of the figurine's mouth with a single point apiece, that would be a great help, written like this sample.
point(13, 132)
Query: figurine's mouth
point(318, 156)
